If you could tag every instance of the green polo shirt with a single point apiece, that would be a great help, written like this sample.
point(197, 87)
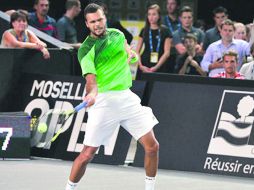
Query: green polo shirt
point(106, 58)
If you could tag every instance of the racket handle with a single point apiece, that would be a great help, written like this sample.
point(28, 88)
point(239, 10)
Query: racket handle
point(80, 106)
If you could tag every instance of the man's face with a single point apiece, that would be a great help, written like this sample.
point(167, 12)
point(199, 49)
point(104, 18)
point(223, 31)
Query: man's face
point(77, 9)
point(186, 19)
point(227, 33)
point(219, 18)
point(230, 63)
point(42, 7)
point(96, 22)
point(171, 6)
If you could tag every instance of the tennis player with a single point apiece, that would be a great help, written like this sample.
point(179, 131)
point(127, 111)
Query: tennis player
point(104, 57)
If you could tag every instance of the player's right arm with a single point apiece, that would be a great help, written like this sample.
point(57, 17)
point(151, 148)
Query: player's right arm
point(91, 89)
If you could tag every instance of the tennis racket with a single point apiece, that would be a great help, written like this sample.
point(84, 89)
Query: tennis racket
point(56, 118)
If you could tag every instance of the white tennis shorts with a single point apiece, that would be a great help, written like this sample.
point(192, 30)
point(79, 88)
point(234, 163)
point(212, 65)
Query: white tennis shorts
point(113, 109)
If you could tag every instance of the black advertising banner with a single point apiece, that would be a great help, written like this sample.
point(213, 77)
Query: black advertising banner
point(40, 93)
point(14, 135)
point(204, 127)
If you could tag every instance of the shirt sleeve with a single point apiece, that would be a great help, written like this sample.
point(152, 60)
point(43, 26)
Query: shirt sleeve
point(87, 63)
point(207, 59)
point(141, 35)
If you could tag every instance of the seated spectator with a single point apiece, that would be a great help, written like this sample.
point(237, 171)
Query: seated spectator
point(247, 70)
point(186, 18)
point(212, 60)
point(40, 20)
point(240, 31)
point(66, 25)
point(156, 39)
point(20, 37)
point(189, 63)
point(229, 61)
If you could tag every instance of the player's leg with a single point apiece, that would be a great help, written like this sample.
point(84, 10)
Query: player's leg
point(79, 166)
point(151, 147)
point(139, 121)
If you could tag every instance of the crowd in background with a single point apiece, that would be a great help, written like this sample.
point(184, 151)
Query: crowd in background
point(171, 43)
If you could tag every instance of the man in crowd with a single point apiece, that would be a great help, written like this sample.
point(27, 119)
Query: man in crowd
point(171, 20)
point(229, 61)
point(213, 34)
point(66, 27)
point(189, 63)
point(186, 18)
point(40, 19)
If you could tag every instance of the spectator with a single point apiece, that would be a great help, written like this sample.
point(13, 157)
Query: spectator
point(171, 19)
point(240, 31)
point(40, 20)
point(229, 60)
point(156, 39)
point(247, 70)
point(212, 60)
point(186, 18)
point(189, 63)
point(213, 34)
point(20, 37)
point(66, 25)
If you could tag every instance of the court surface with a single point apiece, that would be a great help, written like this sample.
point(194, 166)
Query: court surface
point(44, 174)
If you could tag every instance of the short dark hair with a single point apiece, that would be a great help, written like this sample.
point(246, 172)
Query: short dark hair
point(92, 8)
point(185, 9)
point(220, 9)
point(19, 14)
point(71, 3)
point(37, 1)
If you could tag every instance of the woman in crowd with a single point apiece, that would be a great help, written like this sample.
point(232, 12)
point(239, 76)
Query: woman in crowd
point(240, 31)
point(20, 37)
point(156, 39)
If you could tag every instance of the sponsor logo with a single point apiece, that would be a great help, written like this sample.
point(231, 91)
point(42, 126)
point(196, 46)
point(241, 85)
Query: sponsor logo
point(233, 129)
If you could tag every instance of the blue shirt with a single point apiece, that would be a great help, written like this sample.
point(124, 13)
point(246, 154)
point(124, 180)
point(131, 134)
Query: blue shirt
point(216, 50)
point(48, 25)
